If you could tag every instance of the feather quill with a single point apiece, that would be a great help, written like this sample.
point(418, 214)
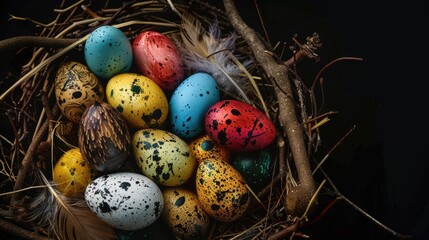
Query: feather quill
point(68, 218)
point(207, 52)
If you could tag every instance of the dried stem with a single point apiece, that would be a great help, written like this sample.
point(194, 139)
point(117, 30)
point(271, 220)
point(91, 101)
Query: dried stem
point(18, 231)
point(287, 115)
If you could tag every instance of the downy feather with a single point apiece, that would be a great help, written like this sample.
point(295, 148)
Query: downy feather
point(67, 218)
point(207, 52)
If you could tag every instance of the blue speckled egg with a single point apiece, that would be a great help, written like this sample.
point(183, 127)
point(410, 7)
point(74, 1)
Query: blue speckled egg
point(108, 52)
point(189, 103)
point(124, 200)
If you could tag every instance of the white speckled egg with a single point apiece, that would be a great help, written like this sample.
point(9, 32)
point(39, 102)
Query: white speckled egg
point(189, 103)
point(140, 100)
point(76, 88)
point(108, 52)
point(163, 156)
point(127, 201)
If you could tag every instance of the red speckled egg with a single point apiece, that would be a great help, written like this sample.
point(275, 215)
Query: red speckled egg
point(157, 57)
point(239, 126)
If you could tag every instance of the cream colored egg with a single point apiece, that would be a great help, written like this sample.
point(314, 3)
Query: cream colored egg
point(183, 214)
point(163, 156)
point(140, 100)
point(76, 88)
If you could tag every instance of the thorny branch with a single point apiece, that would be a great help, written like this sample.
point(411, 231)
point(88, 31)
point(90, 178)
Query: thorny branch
point(298, 198)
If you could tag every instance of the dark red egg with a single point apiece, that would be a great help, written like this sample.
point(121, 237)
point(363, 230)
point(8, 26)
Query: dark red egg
point(239, 126)
point(157, 57)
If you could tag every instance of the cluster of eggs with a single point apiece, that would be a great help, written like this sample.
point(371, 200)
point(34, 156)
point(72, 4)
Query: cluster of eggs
point(175, 129)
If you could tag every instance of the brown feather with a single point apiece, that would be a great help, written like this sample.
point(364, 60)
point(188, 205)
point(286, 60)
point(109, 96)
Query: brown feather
point(74, 220)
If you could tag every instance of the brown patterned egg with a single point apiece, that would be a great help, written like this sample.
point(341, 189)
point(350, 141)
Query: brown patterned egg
point(183, 214)
point(76, 88)
point(204, 148)
point(163, 156)
point(221, 190)
point(104, 138)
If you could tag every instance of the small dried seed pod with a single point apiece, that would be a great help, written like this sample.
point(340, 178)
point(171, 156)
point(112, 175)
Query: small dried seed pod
point(104, 138)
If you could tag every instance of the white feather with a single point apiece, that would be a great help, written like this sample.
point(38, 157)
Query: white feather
point(208, 52)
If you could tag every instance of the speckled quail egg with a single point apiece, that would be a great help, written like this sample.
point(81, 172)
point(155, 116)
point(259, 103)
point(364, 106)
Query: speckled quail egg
point(221, 190)
point(124, 200)
point(183, 214)
point(204, 148)
point(72, 173)
point(140, 100)
point(163, 156)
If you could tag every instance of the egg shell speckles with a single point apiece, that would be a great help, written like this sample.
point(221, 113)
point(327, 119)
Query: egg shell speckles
point(140, 100)
point(221, 190)
point(203, 147)
point(72, 174)
point(239, 126)
point(163, 156)
point(127, 201)
point(108, 52)
point(190, 102)
point(156, 56)
point(76, 88)
point(183, 214)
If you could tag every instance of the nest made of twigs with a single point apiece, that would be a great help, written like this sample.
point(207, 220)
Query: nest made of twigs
point(35, 120)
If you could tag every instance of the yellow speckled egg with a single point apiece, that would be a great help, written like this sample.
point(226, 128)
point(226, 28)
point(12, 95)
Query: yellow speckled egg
point(183, 214)
point(204, 148)
point(139, 99)
point(163, 156)
point(76, 88)
point(221, 190)
point(72, 173)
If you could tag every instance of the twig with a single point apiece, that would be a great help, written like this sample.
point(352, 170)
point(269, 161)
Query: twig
point(18, 231)
point(333, 148)
point(33, 41)
point(29, 156)
point(287, 116)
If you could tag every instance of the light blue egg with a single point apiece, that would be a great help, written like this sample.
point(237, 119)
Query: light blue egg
point(189, 103)
point(108, 52)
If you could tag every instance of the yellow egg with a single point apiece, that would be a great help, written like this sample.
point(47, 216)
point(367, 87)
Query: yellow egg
point(72, 173)
point(204, 148)
point(183, 214)
point(221, 190)
point(139, 99)
point(163, 156)
point(76, 88)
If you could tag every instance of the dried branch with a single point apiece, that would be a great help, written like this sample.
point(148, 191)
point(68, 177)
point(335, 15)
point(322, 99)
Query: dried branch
point(299, 197)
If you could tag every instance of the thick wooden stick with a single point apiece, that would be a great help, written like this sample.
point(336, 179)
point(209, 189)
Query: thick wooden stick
point(299, 197)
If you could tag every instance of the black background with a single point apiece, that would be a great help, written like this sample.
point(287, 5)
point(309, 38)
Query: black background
point(382, 165)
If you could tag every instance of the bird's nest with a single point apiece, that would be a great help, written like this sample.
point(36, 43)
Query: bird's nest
point(33, 138)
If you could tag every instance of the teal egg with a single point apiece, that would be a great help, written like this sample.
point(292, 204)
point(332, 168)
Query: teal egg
point(108, 52)
point(255, 167)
